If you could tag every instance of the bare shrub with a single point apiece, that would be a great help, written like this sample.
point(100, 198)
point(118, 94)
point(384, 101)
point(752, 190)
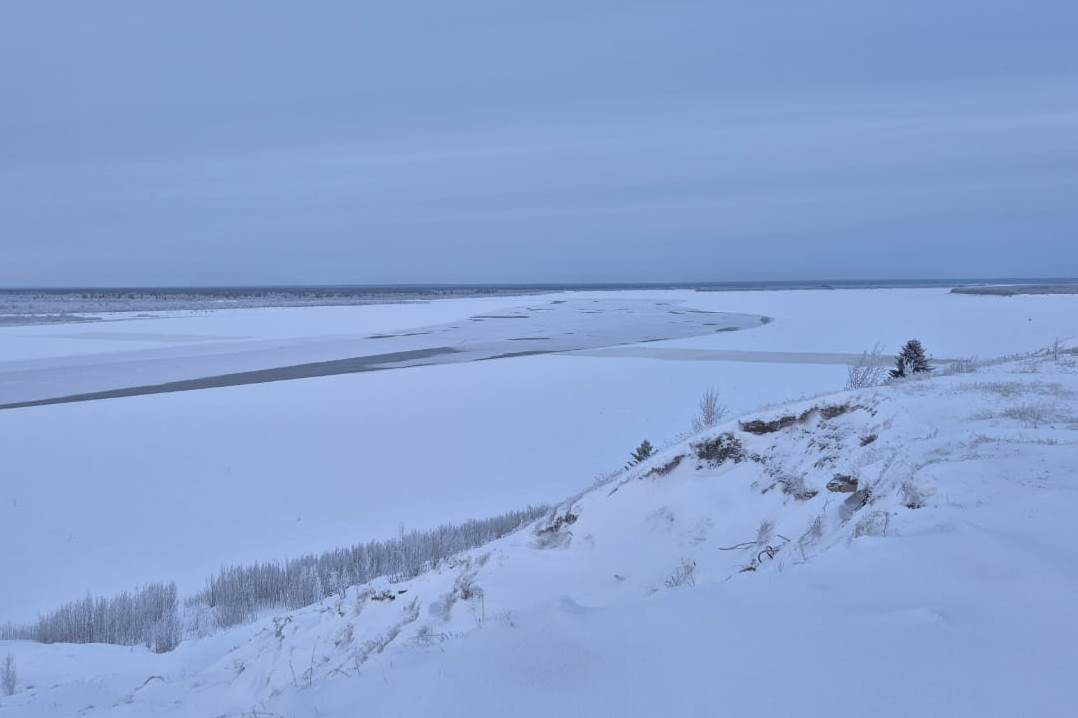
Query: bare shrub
point(764, 532)
point(718, 450)
point(1033, 414)
point(912, 496)
point(550, 533)
point(795, 486)
point(383, 595)
point(684, 574)
point(1015, 389)
point(426, 636)
point(345, 636)
point(7, 676)
point(812, 534)
point(875, 524)
point(867, 370)
point(464, 589)
point(964, 365)
point(279, 624)
point(410, 612)
point(709, 412)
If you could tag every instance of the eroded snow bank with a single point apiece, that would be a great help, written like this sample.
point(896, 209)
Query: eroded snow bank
point(906, 550)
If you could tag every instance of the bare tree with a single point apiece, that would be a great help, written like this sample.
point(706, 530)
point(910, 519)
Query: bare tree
point(709, 412)
point(148, 616)
point(867, 370)
point(7, 676)
point(152, 616)
point(236, 593)
point(685, 574)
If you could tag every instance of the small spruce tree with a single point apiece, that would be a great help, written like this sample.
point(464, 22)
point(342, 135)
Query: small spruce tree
point(911, 360)
point(642, 453)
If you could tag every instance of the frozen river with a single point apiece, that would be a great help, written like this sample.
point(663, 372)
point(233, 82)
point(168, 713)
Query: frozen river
point(204, 361)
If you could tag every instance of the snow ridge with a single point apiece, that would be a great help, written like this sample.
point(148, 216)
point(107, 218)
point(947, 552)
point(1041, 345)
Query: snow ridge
point(901, 550)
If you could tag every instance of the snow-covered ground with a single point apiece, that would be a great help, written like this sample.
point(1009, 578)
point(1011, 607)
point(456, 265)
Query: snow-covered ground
point(895, 551)
point(105, 495)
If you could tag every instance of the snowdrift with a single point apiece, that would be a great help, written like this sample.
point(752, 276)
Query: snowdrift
point(903, 550)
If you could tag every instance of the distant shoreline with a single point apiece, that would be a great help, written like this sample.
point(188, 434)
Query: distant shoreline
point(20, 306)
point(1013, 290)
point(479, 288)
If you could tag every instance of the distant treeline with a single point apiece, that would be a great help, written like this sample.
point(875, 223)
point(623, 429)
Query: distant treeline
point(148, 617)
point(151, 616)
point(75, 300)
point(1012, 290)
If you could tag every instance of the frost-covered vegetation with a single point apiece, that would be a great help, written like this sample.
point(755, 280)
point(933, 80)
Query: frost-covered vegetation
point(709, 411)
point(867, 370)
point(813, 531)
point(152, 616)
point(477, 427)
point(236, 593)
point(148, 616)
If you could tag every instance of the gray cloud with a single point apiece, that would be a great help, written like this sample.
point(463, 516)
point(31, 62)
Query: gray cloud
point(254, 142)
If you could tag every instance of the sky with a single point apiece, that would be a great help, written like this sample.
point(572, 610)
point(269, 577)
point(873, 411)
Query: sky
point(266, 142)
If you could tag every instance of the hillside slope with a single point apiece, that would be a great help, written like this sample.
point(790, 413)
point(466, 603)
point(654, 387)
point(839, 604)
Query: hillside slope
point(905, 550)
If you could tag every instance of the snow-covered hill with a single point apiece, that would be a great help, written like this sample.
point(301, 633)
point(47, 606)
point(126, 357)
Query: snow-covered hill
point(904, 550)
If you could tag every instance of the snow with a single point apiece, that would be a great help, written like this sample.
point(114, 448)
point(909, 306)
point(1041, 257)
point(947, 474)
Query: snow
point(949, 325)
point(101, 496)
point(950, 591)
point(124, 331)
point(542, 326)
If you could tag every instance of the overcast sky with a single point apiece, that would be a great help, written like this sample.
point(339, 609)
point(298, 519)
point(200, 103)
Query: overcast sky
point(498, 141)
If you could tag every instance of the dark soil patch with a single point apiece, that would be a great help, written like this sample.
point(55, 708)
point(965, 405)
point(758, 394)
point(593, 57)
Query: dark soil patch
point(842, 484)
point(665, 468)
point(759, 426)
point(830, 412)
